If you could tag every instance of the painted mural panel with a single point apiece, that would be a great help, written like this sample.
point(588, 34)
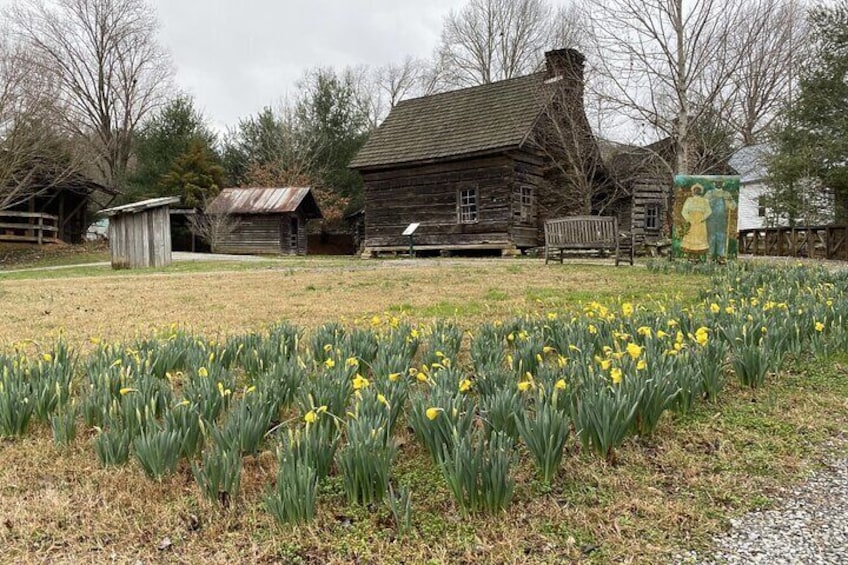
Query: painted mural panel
point(706, 211)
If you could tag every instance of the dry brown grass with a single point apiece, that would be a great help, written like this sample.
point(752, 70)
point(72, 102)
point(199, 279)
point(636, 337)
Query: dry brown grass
point(118, 307)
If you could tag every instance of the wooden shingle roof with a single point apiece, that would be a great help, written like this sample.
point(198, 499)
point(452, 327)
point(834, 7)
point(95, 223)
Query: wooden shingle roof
point(493, 116)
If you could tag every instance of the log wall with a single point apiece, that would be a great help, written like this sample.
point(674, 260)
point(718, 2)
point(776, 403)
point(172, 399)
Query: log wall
point(428, 195)
point(265, 234)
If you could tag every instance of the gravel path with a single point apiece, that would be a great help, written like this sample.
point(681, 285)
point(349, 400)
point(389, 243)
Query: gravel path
point(809, 526)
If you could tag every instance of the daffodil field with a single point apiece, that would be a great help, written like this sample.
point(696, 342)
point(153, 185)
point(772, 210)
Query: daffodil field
point(332, 402)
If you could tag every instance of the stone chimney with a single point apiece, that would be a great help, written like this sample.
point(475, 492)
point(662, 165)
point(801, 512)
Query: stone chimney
point(565, 64)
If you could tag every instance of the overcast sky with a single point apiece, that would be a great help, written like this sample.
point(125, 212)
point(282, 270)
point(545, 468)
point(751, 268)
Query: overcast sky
point(237, 56)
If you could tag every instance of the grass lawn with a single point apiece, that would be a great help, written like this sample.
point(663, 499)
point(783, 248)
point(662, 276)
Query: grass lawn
point(224, 298)
point(27, 256)
point(669, 493)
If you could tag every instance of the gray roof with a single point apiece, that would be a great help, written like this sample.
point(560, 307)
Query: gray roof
point(493, 116)
point(750, 161)
point(141, 206)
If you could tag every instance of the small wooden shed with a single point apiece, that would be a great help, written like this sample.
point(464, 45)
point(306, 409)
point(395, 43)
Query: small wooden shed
point(267, 220)
point(140, 233)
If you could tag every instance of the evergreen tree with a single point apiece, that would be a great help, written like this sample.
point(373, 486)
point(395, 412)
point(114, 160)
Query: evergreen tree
point(164, 138)
point(811, 142)
point(195, 176)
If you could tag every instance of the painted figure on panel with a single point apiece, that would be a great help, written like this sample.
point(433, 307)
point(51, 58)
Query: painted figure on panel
point(705, 216)
point(696, 211)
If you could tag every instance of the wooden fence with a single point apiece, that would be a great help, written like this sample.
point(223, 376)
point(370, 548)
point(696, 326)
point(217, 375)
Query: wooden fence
point(29, 227)
point(819, 242)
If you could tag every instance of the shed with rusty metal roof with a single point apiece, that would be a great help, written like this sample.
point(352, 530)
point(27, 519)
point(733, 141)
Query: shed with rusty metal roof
point(269, 220)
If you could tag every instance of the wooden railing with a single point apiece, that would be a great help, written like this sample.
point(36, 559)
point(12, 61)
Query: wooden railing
point(29, 227)
point(819, 242)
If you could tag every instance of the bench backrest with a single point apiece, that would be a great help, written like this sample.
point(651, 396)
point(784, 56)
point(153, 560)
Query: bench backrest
point(581, 230)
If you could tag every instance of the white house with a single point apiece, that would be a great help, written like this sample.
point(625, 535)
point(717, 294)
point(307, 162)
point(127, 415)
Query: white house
point(750, 163)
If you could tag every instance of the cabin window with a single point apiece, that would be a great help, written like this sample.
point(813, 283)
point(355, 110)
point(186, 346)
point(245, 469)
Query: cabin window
point(467, 209)
point(526, 202)
point(652, 216)
point(761, 206)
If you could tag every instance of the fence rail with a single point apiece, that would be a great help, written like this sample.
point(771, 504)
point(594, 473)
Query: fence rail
point(819, 242)
point(29, 227)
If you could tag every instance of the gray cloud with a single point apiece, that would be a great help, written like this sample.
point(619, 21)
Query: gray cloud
point(236, 57)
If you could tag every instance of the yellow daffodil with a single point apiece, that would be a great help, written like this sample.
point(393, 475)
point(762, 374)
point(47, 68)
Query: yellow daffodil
point(627, 309)
point(548, 349)
point(552, 316)
point(819, 327)
point(715, 308)
point(126, 390)
point(382, 398)
point(310, 417)
point(360, 382)
point(433, 413)
point(465, 385)
point(560, 384)
point(644, 331)
point(524, 386)
point(592, 329)
point(393, 377)
point(616, 375)
point(351, 362)
point(641, 365)
point(327, 348)
point(634, 350)
point(329, 363)
point(202, 372)
point(47, 358)
point(606, 364)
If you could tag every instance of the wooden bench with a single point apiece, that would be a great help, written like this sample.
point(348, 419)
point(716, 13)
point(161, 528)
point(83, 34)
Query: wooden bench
point(587, 233)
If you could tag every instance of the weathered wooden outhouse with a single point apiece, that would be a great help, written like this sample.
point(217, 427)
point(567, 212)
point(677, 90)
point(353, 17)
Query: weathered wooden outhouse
point(140, 233)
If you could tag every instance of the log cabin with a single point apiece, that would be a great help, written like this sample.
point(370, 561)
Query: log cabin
point(265, 220)
point(464, 165)
point(647, 175)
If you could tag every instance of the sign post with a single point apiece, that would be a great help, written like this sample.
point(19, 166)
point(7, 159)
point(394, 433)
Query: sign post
point(410, 231)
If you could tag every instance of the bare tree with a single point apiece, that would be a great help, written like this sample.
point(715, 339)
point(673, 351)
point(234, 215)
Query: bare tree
point(104, 60)
point(212, 226)
point(669, 63)
point(491, 40)
point(397, 81)
point(35, 155)
point(773, 45)
point(576, 177)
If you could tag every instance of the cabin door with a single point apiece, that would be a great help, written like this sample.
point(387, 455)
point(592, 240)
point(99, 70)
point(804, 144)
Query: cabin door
point(294, 235)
